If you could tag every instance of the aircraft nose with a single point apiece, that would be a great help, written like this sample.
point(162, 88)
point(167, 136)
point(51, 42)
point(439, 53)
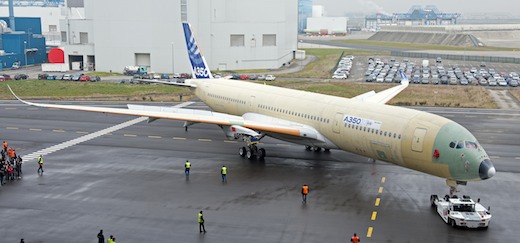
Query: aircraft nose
point(486, 169)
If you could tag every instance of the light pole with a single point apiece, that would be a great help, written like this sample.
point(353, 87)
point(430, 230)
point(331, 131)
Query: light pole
point(173, 60)
point(25, 51)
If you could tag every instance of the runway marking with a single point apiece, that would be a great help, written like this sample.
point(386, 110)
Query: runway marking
point(380, 189)
point(517, 158)
point(228, 141)
point(178, 138)
point(129, 135)
point(10, 108)
point(204, 140)
point(32, 109)
point(81, 132)
point(154, 137)
point(374, 216)
point(468, 116)
point(35, 129)
point(449, 116)
point(369, 232)
point(377, 202)
point(81, 139)
point(383, 179)
point(58, 130)
point(11, 128)
point(494, 157)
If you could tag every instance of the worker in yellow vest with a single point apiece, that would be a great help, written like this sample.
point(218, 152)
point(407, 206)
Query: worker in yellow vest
point(201, 223)
point(187, 167)
point(40, 164)
point(223, 172)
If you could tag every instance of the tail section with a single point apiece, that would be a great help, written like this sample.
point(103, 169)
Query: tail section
point(404, 79)
point(199, 67)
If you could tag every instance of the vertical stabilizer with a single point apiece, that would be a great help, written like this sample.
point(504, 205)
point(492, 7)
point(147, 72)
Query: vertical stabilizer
point(199, 67)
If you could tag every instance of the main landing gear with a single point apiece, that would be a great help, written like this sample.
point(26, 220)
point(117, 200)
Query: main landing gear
point(315, 148)
point(251, 151)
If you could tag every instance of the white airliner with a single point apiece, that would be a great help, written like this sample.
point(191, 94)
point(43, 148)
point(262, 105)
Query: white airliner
point(363, 125)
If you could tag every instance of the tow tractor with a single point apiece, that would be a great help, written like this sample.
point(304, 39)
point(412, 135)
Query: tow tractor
point(461, 211)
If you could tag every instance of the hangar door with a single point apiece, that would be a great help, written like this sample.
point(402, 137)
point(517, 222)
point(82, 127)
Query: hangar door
point(142, 59)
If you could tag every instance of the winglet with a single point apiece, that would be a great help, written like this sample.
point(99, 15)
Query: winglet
point(18, 98)
point(199, 67)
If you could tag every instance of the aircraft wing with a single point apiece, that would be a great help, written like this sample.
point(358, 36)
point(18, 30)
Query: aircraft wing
point(246, 124)
point(385, 95)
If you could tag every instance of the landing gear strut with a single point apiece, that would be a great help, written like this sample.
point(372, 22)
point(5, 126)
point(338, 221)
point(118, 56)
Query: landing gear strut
point(453, 185)
point(251, 151)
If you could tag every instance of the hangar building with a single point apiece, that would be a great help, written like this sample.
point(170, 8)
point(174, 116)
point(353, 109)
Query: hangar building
point(233, 34)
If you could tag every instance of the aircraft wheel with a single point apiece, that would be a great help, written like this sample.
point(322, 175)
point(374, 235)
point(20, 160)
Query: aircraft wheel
point(453, 224)
point(326, 150)
point(317, 149)
point(432, 199)
point(249, 154)
point(307, 147)
point(242, 151)
point(261, 153)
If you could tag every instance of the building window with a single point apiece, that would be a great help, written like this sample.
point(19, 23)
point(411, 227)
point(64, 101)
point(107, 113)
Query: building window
point(237, 40)
point(269, 40)
point(184, 10)
point(83, 37)
point(53, 28)
point(63, 36)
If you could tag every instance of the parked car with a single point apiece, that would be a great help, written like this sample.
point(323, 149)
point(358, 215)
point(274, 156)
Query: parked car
point(252, 77)
point(261, 77)
point(339, 76)
point(270, 78)
point(15, 65)
point(6, 76)
point(513, 83)
point(185, 75)
point(244, 77)
point(165, 76)
point(66, 77)
point(235, 76)
point(156, 76)
point(42, 76)
point(95, 78)
point(176, 75)
point(84, 78)
point(21, 76)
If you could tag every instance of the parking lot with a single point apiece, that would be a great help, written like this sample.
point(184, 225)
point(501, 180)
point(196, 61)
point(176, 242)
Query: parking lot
point(447, 72)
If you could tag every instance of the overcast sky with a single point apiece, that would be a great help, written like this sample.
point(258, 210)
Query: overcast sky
point(339, 7)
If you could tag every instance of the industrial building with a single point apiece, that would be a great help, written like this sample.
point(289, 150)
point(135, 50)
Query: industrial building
point(417, 15)
point(304, 12)
point(233, 34)
point(21, 40)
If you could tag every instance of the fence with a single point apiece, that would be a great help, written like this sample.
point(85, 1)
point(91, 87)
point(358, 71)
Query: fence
point(455, 57)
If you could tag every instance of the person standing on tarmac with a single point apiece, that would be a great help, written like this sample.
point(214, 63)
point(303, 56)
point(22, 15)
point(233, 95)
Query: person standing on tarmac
point(40, 164)
point(5, 146)
point(355, 239)
point(223, 172)
point(200, 219)
point(305, 191)
point(101, 237)
point(187, 167)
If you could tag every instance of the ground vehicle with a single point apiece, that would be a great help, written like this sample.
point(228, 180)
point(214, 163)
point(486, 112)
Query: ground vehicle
point(165, 76)
point(513, 83)
point(439, 60)
point(252, 77)
point(84, 78)
point(15, 65)
point(6, 76)
point(42, 76)
point(261, 77)
point(244, 77)
point(66, 77)
point(340, 76)
point(176, 75)
point(461, 211)
point(270, 78)
point(131, 70)
point(20, 76)
point(425, 63)
point(156, 76)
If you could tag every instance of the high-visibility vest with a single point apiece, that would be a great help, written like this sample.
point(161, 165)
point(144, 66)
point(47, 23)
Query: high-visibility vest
point(201, 219)
point(354, 239)
point(224, 170)
point(305, 190)
point(187, 165)
point(40, 160)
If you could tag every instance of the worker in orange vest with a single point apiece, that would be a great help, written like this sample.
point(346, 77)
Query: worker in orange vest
point(305, 191)
point(355, 239)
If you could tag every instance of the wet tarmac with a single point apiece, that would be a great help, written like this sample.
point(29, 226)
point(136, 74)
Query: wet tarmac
point(131, 184)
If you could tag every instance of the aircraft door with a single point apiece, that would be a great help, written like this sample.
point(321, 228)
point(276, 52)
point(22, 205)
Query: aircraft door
point(252, 103)
point(336, 127)
point(418, 139)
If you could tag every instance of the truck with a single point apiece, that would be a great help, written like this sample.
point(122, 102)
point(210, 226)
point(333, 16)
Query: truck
point(461, 211)
point(132, 70)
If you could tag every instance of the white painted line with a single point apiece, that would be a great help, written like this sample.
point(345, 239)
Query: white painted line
point(11, 128)
point(35, 129)
point(154, 137)
point(129, 135)
point(178, 138)
point(229, 141)
point(81, 139)
point(204, 140)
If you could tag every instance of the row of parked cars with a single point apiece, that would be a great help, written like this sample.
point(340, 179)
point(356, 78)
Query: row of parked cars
point(343, 69)
point(69, 77)
point(235, 76)
point(20, 76)
point(380, 71)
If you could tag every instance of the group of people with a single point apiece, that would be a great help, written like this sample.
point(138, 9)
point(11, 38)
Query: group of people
point(101, 238)
point(187, 167)
point(10, 164)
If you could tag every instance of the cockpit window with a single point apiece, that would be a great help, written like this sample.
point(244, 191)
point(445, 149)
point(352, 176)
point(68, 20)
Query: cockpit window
point(470, 144)
point(457, 144)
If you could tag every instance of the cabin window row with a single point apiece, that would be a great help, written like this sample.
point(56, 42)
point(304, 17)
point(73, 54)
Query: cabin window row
point(227, 98)
point(374, 131)
point(293, 113)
